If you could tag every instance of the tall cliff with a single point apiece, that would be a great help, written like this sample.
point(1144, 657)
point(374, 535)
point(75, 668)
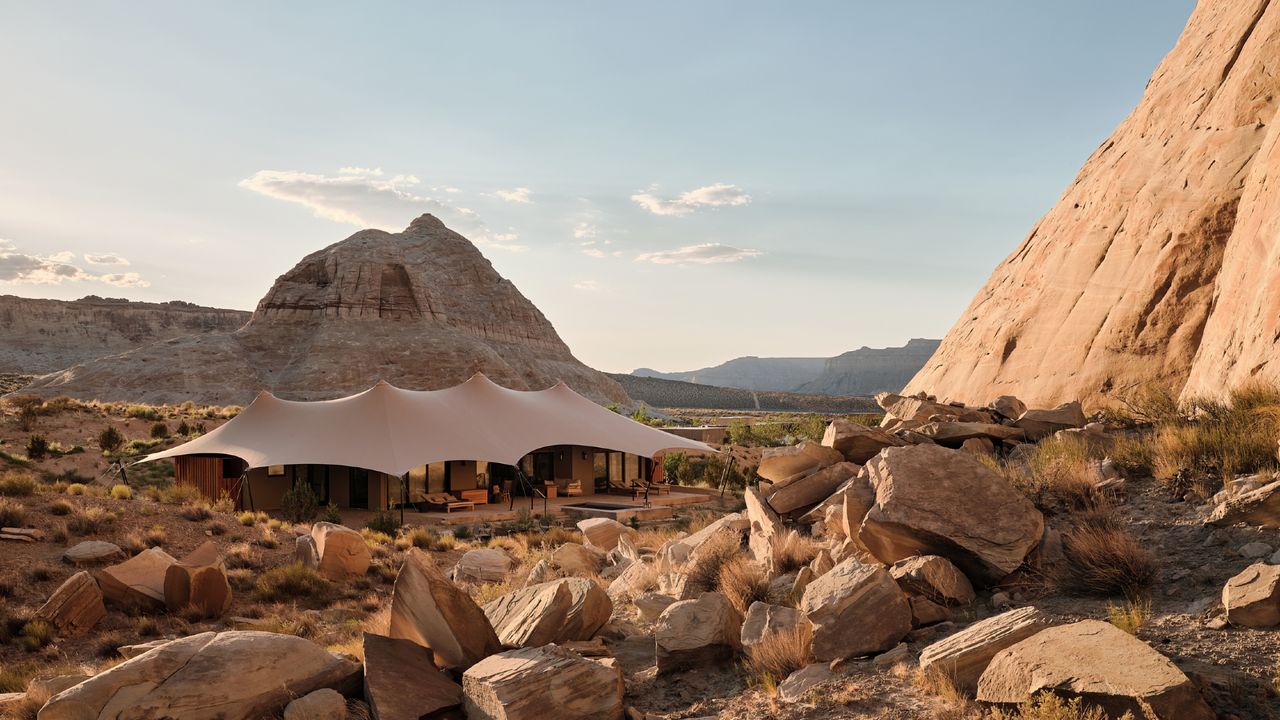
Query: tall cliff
point(1159, 263)
point(43, 336)
point(422, 309)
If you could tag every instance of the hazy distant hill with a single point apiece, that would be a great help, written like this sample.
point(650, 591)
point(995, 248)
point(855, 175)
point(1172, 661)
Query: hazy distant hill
point(657, 392)
point(751, 373)
point(865, 371)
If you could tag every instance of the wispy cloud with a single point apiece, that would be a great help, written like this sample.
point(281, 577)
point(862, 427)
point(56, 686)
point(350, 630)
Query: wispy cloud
point(515, 195)
point(367, 198)
point(105, 259)
point(589, 285)
point(20, 267)
point(718, 195)
point(704, 254)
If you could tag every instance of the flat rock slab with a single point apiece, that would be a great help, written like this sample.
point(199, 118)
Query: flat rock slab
point(799, 683)
point(402, 682)
point(801, 492)
point(785, 463)
point(531, 617)
point(1096, 661)
point(858, 443)
point(1260, 508)
point(934, 577)
point(138, 581)
point(963, 657)
point(90, 552)
point(546, 683)
point(855, 610)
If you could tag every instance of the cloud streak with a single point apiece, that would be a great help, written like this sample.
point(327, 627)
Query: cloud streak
point(367, 198)
point(515, 195)
point(105, 259)
point(20, 267)
point(717, 195)
point(704, 254)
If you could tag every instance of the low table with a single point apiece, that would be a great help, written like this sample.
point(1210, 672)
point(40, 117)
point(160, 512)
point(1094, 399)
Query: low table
point(479, 496)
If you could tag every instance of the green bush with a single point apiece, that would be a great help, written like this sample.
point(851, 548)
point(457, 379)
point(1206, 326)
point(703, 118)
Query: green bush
point(37, 447)
point(110, 439)
point(183, 429)
point(385, 522)
point(160, 431)
point(332, 514)
point(463, 532)
point(299, 503)
point(142, 412)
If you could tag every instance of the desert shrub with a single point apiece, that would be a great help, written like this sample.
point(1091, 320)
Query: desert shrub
point(779, 654)
point(142, 412)
point(159, 431)
point(133, 543)
point(110, 439)
point(183, 429)
point(743, 582)
point(552, 538)
point(217, 529)
point(90, 521)
point(12, 513)
point(240, 556)
point(1047, 706)
point(419, 537)
point(1056, 473)
point(36, 634)
point(291, 582)
point(523, 522)
point(249, 518)
point(77, 489)
point(121, 492)
point(299, 503)
point(486, 593)
point(793, 551)
point(61, 506)
point(40, 573)
point(1130, 616)
point(385, 522)
point(267, 539)
point(374, 538)
point(176, 494)
point(332, 514)
point(1223, 439)
point(195, 512)
point(1153, 404)
point(225, 503)
point(705, 565)
point(59, 533)
point(1102, 558)
point(17, 484)
point(37, 447)
point(1133, 454)
point(463, 532)
point(155, 536)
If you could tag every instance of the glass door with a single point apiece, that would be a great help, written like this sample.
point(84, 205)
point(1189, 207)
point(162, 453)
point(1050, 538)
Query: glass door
point(358, 488)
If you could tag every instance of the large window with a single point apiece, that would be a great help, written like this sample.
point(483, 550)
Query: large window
point(438, 478)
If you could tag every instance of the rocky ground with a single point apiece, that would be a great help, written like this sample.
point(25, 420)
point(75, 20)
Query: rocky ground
point(893, 572)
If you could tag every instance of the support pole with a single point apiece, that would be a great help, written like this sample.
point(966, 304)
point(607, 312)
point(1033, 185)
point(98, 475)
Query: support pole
point(404, 495)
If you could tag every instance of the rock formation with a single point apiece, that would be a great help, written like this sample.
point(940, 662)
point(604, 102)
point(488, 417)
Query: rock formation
point(1160, 263)
point(867, 371)
point(422, 309)
point(44, 336)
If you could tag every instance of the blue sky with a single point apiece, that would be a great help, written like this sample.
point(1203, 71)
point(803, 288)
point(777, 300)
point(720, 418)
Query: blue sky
point(672, 183)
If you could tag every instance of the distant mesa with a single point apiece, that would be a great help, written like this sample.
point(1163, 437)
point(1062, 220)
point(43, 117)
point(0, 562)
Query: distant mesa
point(865, 371)
point(1160, 263)
point(422, 309)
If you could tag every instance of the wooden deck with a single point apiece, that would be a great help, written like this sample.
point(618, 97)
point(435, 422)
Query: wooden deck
point(492, 513)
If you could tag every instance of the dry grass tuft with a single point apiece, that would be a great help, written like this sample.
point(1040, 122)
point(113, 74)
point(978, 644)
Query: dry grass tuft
point(17, 484)
point(90, 521)
point(743, 582)
point(1132, 616)
point(780, 654)
point(1047, 706)
point(249, 519)
point(196, 512)
point(121, 492)
point(12, 513)
point(1102, 558)
point(292, 582)
point(1057, 473)
point(486, 593)
point(793, 551)
point(704, 566)
point(61, 506)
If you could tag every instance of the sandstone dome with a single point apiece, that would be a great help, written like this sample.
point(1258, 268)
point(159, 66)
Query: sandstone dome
point(422, 309)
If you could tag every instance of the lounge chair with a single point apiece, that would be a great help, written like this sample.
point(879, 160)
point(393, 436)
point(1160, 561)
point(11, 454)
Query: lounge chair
point(625, 487)
point(444, 502)
point(573, 488)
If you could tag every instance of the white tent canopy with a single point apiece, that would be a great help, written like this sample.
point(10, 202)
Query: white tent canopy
point(391, 430)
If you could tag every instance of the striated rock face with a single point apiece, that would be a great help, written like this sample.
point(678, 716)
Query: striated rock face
point(867, 371)
point(44, 336)
point(422, 309)
point(1161, 262)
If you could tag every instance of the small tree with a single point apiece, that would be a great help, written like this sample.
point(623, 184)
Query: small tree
point(159, 431)
point(299, 503)
point(110, 439)
point(183, 429)
point(37, 447)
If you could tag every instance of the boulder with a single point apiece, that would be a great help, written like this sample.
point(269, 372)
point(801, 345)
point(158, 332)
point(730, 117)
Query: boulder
point(128, 652)
point(531, 617)
point(589, 609)
point(916, 410)
point(343, 553)
point(855, 610)
point(305, 552)
point(402, 682)
point(576, 559)
point(784, 463)
point(636, 579)
point(486, 565)
point(800, 492)
point(935, 501)
point(799, 683)
point(210, 676)
point(693, 633)
point(934, 577)
point(765, 527)
point(1260, 508)
point(540, 573)
point(858, 497)
point(978, 446)
point(89, 552)
point(763, 620)
point(963, 657)
point(542, 683)
point(137, 582)
point(856, 442)
point(199, 582)
point(651, 605)
point(733, 523)
point(1008, 407)
point(49, 685)
point(430, 610)
point(322, 704)
point(1252, 598)
point(1099, 662)
point(75, 607)
point(1040, 424)
point(954, 434)
point(927, 612)
point(603, 533)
